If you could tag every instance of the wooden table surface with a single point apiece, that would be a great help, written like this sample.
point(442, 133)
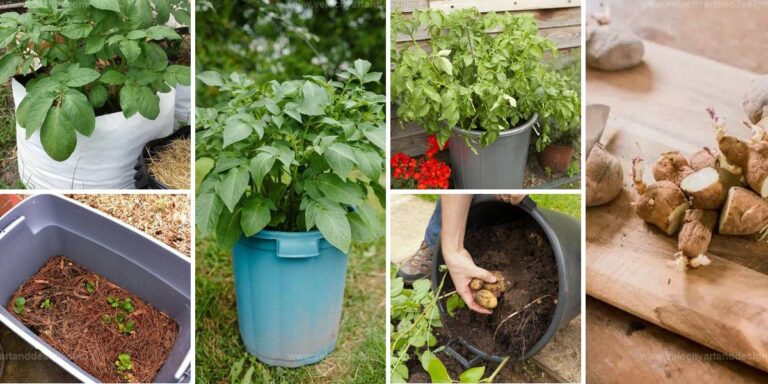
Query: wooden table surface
point(656, 107)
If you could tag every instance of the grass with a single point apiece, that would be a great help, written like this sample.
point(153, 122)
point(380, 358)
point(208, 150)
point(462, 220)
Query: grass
point(568, 204)
point(9, 177)
point(360, 352)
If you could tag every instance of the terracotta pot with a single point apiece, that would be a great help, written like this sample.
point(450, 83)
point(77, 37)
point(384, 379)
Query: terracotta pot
point(7, 202)
point(556, 157)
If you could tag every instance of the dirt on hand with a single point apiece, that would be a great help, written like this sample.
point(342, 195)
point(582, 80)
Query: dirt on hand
point(521, 252)
point(93, 321)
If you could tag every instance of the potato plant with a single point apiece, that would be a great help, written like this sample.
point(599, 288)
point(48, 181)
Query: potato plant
point(475, 80)
point(414, 315)
point(292, 156)
point(85, 56)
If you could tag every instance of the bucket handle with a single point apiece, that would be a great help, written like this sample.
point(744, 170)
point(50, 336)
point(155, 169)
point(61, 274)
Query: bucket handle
point(298, 249)
point(5, 231)
point(463, 361)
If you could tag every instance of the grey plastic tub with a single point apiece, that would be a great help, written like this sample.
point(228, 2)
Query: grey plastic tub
point(44, 226)
point(500, 165)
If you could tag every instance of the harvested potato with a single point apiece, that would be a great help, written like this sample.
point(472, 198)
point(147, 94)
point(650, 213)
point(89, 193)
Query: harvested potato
point(745, 213)
point(605, 177)
point(705, 189)
point(476, 284)
point(662, 204)
point(671, 166)
point(704, 158)
point(611, 48)
point(696, 232)
point(500, 286)
point(486, 299)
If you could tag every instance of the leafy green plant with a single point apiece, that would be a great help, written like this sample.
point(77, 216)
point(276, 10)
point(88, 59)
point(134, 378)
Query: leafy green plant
point(18, 305)
point(93, 55)
point(46, 304)
point(124, 363)
point(125, 304)
point(414, 315)
point(476, 80)
point(126, 327)
point(292, 156)
point(89, 287)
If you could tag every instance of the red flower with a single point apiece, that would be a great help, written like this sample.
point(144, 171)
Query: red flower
point(423, 173)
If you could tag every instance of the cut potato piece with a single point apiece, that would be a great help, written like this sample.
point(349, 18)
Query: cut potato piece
point(745, 213)
point(705, 189)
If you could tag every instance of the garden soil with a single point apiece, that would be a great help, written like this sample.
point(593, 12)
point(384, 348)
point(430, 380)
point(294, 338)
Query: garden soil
point(522, 253)
point(82, 324)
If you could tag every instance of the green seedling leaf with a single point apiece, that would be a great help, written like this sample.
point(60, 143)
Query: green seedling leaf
point(472, 375)
point(437, 371)
point(46, 304)
point(89, 287)
point(18, 305)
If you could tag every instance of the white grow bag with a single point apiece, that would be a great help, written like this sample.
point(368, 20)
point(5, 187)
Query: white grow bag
point(183, 105)
point(103, 161)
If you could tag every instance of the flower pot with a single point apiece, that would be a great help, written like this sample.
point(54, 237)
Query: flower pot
point(556, 157)
point(564, 235)
point(44, 226)
point(143, 179)
point(290, 289)
point(103, 161)
point(500, 165)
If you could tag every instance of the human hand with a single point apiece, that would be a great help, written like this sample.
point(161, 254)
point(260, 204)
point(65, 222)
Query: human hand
point(463, 269)
point(512, 199)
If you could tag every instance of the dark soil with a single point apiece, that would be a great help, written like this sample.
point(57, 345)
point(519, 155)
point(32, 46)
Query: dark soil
point(83, 325)
point(521, 251)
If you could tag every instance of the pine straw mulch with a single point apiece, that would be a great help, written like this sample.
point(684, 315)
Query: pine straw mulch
point(170, 164)
point(162, 216)
point(83, 325)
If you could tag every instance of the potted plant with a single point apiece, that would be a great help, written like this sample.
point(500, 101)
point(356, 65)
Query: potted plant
point(293, 166)
point(560, 154)
point(92, 86)
point(486, 90)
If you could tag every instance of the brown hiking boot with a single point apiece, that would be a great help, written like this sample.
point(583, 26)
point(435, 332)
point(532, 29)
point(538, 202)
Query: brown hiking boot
point(417, 266)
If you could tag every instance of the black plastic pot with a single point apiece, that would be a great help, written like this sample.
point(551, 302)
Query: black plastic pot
point(143, 179)
point(564, 234)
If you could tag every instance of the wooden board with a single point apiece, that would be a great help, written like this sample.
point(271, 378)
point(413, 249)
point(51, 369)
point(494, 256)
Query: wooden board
point(501, 5)
point(621, 346)
point(656, 107)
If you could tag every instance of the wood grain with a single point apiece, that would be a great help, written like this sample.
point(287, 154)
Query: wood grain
point(656, 107)
point(501, 5)
point(622, 348)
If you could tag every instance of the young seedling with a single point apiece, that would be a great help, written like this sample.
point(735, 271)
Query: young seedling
point(46, 304)
point(126, 328)
point(18, 305)
point(106, 319)
point(124, 363)
point(126, 305)
point(90, 287)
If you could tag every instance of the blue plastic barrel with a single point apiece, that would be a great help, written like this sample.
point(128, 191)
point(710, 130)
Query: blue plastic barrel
point(290, 290)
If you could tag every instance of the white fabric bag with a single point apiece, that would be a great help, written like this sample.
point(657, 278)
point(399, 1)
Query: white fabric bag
point(105, 160)
point(183, 105)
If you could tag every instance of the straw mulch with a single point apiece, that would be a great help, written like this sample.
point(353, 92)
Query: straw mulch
point(170, 164)
point(69, 308)
point(164, 217)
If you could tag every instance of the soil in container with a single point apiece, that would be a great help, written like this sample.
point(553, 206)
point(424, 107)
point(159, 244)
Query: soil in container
point(169, 164)
point(101, 327)
point(521, 251)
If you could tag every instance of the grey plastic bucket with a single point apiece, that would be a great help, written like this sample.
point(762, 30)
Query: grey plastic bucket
point(500, 165)
point(44, 226)
point(564, 235)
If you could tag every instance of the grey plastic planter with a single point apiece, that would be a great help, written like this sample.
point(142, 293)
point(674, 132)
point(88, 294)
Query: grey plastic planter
point(44, 226)
point(500, 165)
